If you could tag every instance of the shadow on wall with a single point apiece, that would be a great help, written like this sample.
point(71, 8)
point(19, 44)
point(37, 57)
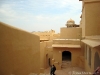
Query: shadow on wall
point(96, 60)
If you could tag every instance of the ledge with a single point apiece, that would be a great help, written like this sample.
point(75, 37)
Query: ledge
point(91, 43)
point(69, 46)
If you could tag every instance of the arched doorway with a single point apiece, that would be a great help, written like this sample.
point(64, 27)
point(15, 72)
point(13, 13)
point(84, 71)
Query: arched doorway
point(96, 60)
point(66, 56)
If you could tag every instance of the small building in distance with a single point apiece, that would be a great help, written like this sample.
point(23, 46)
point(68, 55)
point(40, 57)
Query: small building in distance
point(47, 35)
point(71, 23)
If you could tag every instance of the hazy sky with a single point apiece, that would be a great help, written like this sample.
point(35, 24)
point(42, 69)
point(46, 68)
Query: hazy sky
point(39, 15)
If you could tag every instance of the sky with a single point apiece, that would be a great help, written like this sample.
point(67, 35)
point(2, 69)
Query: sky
point(39, 15)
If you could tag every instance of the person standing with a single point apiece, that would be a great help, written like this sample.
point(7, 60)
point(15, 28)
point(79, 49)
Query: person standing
point(53, 69)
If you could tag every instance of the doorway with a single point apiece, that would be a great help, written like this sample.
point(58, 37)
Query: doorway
point(47, 61)
point(66, 56)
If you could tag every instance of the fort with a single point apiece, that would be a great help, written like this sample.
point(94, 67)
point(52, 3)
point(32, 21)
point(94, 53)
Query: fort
point(32, 53)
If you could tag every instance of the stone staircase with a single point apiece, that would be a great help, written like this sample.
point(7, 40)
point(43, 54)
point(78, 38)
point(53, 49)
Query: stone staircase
point(66, 64)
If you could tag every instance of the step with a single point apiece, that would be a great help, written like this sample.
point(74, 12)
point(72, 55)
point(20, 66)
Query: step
point(33, 74)
point(39, 74)
point(66, 64)
point(43, 74)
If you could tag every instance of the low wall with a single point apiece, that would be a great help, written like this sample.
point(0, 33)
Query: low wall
point(19, 51)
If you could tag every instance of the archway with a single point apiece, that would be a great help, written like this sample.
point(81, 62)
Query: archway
point(66, 56)
point(96, 60)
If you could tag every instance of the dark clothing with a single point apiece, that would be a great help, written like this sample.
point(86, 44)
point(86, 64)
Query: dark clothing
point(53, 69)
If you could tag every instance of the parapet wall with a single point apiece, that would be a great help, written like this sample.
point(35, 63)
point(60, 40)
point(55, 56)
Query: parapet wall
point(70, 33)
point(19, 51)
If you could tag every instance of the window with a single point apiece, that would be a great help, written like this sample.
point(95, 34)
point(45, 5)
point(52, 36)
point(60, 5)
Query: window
point(86, 51)
point(89, 56)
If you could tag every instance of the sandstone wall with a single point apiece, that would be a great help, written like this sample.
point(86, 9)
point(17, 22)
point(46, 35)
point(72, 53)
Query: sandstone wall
point(19, 51)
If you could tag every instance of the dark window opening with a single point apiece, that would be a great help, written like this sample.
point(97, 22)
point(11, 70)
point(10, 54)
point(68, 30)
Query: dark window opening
point(90, 57)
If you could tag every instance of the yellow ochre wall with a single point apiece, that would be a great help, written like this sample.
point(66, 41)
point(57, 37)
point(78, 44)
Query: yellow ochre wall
point(19, 51)
point(42, 55)
point(90, 18)
point(87, 67)
point(70, 33)
point(90, 27)
point(75, 54)
point(46, 52)
point(83, 22)
point(47, 35)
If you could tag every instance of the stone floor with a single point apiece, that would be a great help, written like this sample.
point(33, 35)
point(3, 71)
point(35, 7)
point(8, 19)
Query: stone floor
point(68, 70)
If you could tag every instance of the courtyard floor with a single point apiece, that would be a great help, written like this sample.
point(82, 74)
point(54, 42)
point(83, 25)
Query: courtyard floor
point(67, 69)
